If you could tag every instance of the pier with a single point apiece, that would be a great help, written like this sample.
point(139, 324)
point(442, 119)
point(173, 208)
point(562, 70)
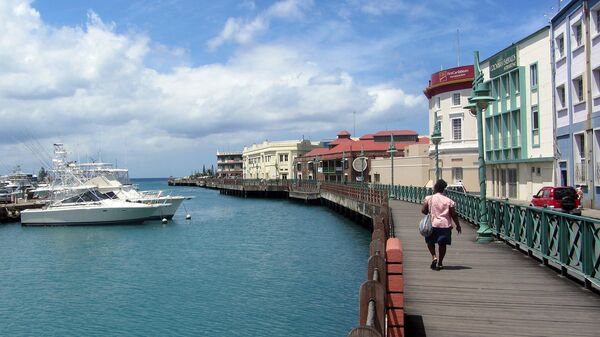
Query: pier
point(540, 276)
point(12, 212)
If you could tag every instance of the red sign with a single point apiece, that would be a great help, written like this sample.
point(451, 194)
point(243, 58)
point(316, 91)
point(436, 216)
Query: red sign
point(452, 74)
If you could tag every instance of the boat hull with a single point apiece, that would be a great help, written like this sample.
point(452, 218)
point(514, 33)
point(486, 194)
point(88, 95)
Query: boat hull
point(168, 207)
point(87, 215)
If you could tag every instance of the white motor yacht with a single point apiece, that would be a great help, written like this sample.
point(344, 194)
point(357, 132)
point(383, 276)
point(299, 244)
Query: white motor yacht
point(89, 208)
point(114, 189)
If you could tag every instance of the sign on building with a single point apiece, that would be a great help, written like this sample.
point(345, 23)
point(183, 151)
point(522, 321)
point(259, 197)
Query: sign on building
point(503, 62)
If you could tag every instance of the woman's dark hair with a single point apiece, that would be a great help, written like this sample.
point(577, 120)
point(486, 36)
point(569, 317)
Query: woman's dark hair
point(440, 186)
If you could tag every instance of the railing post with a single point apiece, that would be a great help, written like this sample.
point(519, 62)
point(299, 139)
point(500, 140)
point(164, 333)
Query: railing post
point(563, 244)
point(517, 224)
point(506, 209)
point(529, 230)
point(587, 250)
point(545, 235)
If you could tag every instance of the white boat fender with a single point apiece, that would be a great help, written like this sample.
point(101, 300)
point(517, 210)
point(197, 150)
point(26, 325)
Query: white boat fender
point(188, 216)
point(164, 220)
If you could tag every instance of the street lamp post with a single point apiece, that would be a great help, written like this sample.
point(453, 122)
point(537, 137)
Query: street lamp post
point(363, 161)
point(436, 138)
point(391, 150)
point(344, 167)
point(479, 101)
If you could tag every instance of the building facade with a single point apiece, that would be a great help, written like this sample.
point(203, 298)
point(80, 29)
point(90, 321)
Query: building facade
point(340, 160)
point(273, 160)
point(229, 165)
point(518, 125)
point(448, 91)
point(576, 61)
point(411, 169)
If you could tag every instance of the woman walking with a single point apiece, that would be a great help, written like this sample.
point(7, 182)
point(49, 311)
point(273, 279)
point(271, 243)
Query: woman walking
point(443, 213)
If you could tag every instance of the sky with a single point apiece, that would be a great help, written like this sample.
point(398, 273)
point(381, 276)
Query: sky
point(160, 86)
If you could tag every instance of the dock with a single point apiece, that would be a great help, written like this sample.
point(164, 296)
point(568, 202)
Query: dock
point(487, 289)
point(12, 212)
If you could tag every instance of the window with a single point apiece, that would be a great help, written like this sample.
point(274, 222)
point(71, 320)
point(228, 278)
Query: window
point(577, 34)
point(533, 75)
point(377, 177)
point(578, 87)
point(438, 102)
point(457, 174)
point(457, 128)
point(596, 79)
point(283, 157)
point(579, 158)
point(560, 93)
point(535, 118)
point(560, 45)
point(456, 99)
point(512, 183)
point(597, 21)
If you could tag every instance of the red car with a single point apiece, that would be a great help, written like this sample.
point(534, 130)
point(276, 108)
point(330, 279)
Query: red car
point(562, 198)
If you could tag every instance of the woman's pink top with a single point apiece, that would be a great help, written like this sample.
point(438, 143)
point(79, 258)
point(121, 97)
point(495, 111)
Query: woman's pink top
point(440, 210)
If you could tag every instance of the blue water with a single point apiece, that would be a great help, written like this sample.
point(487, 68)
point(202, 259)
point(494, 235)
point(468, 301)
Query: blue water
point(239, 267)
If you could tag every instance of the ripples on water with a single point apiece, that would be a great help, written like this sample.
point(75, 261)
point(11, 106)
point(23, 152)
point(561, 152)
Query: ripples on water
point(240, 267)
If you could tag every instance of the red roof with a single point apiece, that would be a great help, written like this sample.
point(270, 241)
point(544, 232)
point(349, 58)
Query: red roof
point(368, 145)
point(367, 136)
point(343, 133)
point(316, 152)
point(396, 133)
point(340, 141)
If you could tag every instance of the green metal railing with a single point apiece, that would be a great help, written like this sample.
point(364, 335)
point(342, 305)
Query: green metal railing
point(571, 242)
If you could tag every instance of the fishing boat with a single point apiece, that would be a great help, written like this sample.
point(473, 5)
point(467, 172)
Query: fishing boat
point(91, 207)
point(71, 178)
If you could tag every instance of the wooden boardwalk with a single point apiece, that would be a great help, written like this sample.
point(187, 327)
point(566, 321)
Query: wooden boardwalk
point(487, 290)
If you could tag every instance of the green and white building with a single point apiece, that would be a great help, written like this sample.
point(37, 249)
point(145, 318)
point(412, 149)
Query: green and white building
point(519, 124)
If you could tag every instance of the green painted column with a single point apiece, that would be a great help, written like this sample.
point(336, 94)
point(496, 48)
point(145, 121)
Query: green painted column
point(484, 233)
point(478, 102)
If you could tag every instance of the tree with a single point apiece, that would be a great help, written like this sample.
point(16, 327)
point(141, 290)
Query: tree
point(42, 174)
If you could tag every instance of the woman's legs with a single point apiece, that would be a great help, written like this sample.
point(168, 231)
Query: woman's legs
point(442, 250)
point(431, 247)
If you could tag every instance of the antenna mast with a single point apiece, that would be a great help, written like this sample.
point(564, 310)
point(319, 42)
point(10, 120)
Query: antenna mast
point(458, 46)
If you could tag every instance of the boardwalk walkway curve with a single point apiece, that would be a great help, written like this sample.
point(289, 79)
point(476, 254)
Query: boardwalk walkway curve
point(487, 290)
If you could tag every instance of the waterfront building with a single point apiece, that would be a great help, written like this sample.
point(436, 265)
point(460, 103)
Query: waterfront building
point(518, 125)
point(448, 91)
point(334, 161)
point(410, 169)
point(273, 159)
point(576, 61)
point(229, 165)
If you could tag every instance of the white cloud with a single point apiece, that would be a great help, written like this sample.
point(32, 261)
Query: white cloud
point(243, 31)
point(92, 88)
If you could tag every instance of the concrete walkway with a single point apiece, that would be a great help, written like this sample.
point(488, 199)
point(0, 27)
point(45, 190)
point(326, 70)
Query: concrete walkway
point(487, 290)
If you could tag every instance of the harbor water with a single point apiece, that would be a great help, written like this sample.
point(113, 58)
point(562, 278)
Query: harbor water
point(239, 267)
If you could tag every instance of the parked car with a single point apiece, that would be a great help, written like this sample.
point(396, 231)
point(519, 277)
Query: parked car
point(561, 198)
point(458, 187)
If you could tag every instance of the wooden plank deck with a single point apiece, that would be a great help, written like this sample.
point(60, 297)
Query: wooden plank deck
point(487, 290)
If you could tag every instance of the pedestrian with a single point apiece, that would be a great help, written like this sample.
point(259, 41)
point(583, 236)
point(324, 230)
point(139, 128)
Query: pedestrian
point(443, 214)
